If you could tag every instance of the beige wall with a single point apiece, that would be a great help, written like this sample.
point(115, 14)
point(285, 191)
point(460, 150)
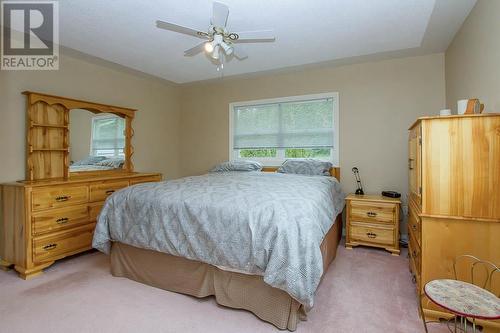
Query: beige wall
point(378, 102)
point(156, 125)
point(473, 58)
point(184, 130)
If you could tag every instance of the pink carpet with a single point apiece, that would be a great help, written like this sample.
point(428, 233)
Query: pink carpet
point(365, 290)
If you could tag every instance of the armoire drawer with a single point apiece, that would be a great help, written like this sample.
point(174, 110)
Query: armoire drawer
point(373, 213)
point(99, 192)
point(59, 219)
point(58, 196)
point(371, 233)
point(53, 247)
point(414, 226)
point(414, 253)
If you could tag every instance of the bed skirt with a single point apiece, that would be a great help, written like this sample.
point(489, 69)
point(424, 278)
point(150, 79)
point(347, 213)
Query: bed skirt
point(234, 290)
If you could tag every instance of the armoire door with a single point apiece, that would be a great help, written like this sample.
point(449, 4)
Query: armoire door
point(415, 164)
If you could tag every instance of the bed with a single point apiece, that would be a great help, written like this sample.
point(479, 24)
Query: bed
point(97, 163)
point(259, 241)
point(89, 167)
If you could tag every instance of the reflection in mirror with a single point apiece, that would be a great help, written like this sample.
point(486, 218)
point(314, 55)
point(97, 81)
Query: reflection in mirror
point(97, 141)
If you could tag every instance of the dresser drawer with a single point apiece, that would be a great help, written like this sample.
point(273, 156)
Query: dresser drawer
point(95, 210)
point(58, 196)
point(373, 212)
point(148, 179)
point(58, 219)
point(376, 234)
point(99, 192)
point(48, 248)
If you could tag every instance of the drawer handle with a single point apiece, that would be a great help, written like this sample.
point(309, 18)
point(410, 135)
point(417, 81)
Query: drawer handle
point(108, 192)
point(63, 198)
point(414, 227)
point(371, 235)
point(62, 220)
point(371, 214)
point(50, 246)
point(410, 167)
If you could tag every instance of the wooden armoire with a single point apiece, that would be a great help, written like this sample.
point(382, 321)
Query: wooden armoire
point(454, 197)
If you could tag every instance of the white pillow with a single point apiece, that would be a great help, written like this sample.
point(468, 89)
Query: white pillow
point(237, 166)
point(307, 166)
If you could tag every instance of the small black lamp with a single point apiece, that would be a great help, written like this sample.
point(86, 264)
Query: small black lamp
point(359, 190)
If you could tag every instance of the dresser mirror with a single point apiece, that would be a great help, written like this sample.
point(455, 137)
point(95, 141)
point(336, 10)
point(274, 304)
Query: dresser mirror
point(73, 138)
point(96, 141)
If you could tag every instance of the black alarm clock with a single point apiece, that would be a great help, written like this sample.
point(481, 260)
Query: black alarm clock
point(391, 194)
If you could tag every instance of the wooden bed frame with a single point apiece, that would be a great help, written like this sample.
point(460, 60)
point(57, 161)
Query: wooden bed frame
point(334, 171)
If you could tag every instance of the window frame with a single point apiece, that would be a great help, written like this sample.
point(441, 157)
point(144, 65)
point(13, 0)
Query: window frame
point(92, 126)
point(266, 161)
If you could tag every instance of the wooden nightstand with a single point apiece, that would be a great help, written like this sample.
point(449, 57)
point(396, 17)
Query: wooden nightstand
point(373, 220)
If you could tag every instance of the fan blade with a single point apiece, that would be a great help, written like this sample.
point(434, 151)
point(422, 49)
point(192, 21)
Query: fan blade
point(195, 50)
point(255, 36)
point(220, 14)
point(239, 52)
point(180, 29)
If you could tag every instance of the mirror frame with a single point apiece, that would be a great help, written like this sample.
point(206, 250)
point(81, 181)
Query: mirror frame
point(69, 104)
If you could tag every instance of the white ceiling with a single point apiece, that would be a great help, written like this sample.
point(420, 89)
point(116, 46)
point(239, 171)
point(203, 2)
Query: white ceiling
point(307, 32)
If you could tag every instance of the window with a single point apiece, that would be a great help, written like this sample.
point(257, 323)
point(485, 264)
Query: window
point(108, 137)
point(271, 131)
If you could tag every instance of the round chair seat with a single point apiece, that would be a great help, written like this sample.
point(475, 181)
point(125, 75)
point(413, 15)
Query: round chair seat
point(463, 299)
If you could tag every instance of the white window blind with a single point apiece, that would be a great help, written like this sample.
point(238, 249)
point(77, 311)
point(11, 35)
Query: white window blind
point(108, 137)
point(292, 127)
point(301, 124)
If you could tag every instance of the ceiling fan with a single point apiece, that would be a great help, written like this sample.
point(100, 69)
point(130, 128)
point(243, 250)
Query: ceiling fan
point(219, 41)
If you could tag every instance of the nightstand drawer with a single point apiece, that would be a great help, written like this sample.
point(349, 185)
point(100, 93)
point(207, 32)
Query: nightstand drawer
point(377, 234)
point(373, 212)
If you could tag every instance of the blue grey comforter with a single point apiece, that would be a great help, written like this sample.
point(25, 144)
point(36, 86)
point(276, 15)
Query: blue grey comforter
point(269, 224)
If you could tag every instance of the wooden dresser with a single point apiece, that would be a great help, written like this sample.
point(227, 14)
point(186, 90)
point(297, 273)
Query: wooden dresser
point(372, 220)
point(53, 213)
point(43, 221)
point(454, 197)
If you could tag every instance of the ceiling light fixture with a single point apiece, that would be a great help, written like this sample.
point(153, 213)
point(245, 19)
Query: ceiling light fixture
point(209, 47)
point(219, 41)
point(215, 53)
